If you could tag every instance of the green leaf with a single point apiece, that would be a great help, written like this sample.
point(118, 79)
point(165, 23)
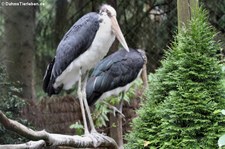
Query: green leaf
point(79, 128)
point(217, 111)
point(76, 126)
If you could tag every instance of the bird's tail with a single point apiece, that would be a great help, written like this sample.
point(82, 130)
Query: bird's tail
point(49, 80)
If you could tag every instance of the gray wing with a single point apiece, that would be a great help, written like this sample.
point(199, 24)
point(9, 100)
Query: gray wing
point(117, 70)
point(75, 42)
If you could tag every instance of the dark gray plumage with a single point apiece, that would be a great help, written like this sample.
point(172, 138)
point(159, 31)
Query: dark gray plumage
point(75, 42)
point(114, 71)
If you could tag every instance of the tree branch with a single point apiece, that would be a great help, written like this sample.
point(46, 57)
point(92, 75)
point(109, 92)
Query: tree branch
point(30, 145)
point(43, 138)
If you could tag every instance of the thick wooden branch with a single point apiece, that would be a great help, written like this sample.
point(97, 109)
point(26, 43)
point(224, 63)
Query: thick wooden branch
point(43, 138)
point(30, 145)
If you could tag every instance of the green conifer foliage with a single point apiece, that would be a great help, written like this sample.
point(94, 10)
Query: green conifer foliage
point(184, 94)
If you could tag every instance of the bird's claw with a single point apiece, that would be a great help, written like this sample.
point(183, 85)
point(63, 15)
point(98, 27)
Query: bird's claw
point(114, 109)
point(118, 111)
point(94, 140)
point(96, 137)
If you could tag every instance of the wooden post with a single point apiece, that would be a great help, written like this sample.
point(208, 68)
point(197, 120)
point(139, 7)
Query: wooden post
point(185, 10)
point(116, 129)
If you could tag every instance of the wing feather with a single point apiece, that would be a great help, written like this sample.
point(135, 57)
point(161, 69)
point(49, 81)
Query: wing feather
point(116, 70)
point(75, 42)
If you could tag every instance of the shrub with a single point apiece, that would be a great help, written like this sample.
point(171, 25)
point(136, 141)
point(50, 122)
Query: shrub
point(183, 94)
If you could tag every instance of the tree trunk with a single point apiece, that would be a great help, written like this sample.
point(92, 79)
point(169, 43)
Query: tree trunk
point(60, 19)
point(185, 10)
point(80, 7)
point(116, 129)
point(19, 34)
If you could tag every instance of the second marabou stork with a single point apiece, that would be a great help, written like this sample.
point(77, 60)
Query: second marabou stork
point(115, 74)
point(85, 44)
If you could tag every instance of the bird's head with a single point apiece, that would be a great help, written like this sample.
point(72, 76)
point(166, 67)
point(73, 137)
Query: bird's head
point(144, 75)
point(111, 13)
point(107, 9)
point(143, 54)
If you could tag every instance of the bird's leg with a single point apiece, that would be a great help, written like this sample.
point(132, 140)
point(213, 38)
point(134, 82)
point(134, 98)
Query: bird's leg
point(121, 103)
point(79, 93)
point(113, 108)
point(93, 130)
point(95, 136)
point(118, 108)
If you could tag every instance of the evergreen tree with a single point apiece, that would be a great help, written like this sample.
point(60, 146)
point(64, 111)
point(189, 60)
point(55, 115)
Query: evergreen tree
point(184, 94)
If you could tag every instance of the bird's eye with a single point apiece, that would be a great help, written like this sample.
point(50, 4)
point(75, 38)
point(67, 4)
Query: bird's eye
point(101, 20)
point(108, 13)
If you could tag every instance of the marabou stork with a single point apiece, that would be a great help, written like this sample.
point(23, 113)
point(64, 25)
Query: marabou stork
point(115, 74)
point(85, 44)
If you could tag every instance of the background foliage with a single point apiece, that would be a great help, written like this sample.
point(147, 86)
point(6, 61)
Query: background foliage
point(11, 105)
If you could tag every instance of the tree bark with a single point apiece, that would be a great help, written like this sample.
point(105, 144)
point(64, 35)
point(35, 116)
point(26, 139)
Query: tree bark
point(60, 19)
point(116, 129)
point(19, 35)
point(43, 138)
point(30, 145)
point(185, 10)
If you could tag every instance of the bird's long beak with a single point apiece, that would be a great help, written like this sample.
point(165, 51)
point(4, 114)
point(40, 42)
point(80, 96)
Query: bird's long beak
point(118, 33)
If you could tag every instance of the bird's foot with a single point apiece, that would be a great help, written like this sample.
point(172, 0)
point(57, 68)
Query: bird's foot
point(101, 137)
point(115, 111)
point(97, 138)
point(94, 139)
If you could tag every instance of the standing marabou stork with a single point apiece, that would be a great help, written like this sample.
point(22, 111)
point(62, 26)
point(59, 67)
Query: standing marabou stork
point(115, 74)
point(85, 44)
